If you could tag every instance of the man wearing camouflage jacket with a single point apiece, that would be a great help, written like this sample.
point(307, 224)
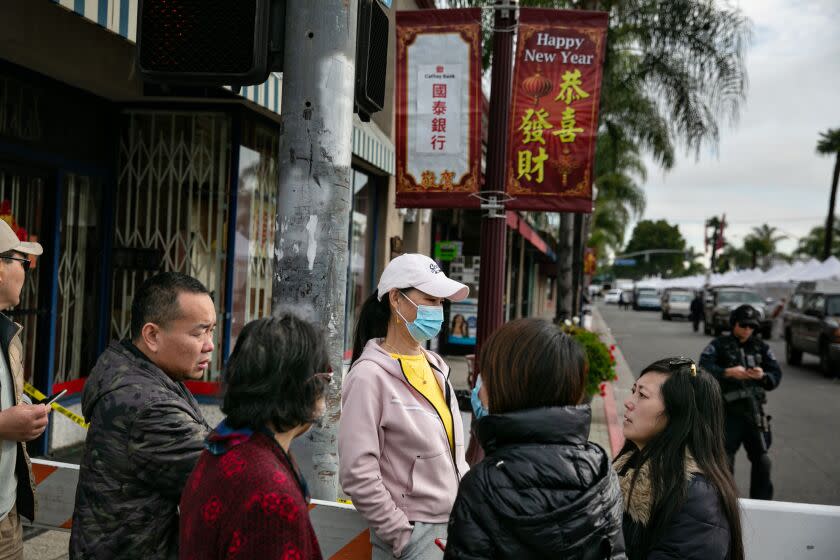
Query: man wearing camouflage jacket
point(146, 431)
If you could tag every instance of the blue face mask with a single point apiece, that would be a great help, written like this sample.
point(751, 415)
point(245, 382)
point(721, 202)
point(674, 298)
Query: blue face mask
point(478, 408)
point(428, 323)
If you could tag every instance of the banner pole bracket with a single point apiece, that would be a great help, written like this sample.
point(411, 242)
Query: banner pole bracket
point(493, 202)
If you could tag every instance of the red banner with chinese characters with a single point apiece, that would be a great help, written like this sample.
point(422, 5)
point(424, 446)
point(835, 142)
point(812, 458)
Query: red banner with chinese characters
point(438, 108)
point(554, 112)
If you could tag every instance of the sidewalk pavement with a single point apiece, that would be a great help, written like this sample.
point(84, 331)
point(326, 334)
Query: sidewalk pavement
point(45, 545)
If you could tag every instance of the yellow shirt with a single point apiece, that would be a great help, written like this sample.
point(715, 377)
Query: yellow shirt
point(419, 374)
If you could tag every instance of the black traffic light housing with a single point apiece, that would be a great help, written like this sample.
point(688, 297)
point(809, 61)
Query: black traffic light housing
point(240, 42)
point(209, 42)
point(371, 58)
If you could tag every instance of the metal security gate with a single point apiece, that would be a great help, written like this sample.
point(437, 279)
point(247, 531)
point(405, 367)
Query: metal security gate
point(22, 202)
point(79, 284)
point(171, 207)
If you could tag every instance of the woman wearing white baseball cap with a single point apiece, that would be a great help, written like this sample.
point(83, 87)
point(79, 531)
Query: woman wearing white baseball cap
point(401, 441)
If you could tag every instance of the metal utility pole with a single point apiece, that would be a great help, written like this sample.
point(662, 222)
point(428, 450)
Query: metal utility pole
point(564, 268)
point(314, 199)
point(492, 281)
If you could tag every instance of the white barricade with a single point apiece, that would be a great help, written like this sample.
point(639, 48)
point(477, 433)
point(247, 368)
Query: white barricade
point(790, 531)
point(772, 530)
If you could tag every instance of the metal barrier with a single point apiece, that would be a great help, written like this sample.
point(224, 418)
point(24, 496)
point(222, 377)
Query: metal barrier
point(772, 530)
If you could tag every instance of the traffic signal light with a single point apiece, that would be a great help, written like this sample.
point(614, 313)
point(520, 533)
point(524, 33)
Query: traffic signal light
point(371, 58)
point(240, 42)
point(205, 42)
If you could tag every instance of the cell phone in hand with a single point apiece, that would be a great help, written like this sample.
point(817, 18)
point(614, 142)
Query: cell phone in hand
point(52, 398)
point(441, 543)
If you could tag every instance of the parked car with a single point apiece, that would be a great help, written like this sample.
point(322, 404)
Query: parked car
point(812, 324)
point(676, 303)
point(646, 298)
point(612, 296)
point(720, 301)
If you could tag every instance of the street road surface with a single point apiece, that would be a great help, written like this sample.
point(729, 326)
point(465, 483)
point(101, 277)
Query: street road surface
point(805, 407)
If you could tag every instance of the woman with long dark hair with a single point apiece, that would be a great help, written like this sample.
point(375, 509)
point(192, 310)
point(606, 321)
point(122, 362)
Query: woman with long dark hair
point(401, 442)
point(680, 499)
point(542, 490)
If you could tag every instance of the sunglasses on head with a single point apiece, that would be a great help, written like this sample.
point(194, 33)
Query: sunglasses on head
point(25, 263)
point(679, 364)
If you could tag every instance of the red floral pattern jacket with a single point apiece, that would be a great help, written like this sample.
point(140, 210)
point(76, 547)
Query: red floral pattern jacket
point(245, 499)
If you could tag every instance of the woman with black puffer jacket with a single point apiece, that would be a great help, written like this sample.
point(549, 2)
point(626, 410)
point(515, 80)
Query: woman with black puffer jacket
point(542, 490)
point(679, 496)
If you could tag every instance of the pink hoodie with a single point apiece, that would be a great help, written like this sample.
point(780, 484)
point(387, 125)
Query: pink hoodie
point(394, 456)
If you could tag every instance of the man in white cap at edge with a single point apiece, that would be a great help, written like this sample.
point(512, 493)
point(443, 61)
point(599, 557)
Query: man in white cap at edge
point(19, 421)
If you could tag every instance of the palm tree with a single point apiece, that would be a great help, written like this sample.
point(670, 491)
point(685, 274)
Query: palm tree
point(762, 242)
point(829, 144)
point(812, 245)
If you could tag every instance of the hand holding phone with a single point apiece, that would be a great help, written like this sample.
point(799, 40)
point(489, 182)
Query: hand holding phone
point(52, 398)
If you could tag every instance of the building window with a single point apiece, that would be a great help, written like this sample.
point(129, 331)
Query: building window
point(360, 283)
point(256, 210)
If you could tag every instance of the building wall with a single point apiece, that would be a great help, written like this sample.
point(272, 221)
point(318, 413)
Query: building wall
point(417, 235)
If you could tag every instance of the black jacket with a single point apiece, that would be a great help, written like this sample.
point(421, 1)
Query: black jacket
point(698, 531)
point(542, 491)
point(146, 433)
point(727, 351)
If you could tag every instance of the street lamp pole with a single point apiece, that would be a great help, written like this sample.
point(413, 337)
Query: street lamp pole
point(493, 223)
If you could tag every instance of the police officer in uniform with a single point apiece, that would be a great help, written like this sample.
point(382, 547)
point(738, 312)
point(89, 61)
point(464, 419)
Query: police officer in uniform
point(746, 368)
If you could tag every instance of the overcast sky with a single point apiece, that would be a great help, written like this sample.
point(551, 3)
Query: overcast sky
point(766, 168)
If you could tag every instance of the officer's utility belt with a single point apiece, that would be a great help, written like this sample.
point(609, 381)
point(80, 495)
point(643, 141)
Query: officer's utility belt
point(739, 394)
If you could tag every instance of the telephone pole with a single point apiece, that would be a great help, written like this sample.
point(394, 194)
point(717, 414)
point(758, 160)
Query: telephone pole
point(314, 199)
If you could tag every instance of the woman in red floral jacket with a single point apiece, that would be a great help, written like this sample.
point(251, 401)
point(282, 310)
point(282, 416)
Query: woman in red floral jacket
point(246, 497)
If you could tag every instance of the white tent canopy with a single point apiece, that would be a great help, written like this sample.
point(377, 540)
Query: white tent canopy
point(777, 282)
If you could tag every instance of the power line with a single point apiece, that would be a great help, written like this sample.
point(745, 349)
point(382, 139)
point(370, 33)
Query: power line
point(729, 221)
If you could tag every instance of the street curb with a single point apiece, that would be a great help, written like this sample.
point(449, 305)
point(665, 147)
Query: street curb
point(624, 383)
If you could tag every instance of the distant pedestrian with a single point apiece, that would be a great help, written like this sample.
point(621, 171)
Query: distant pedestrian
point(19, 421)
point(542, 490)
point(246, 497)
point(400, 441)
point(696, 311)
point(777, 316)
point(146, 430)
point(679, 497)
point(624, 300)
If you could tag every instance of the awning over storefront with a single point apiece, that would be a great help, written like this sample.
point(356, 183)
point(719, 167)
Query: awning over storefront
point(517, 223)
point(371, 145)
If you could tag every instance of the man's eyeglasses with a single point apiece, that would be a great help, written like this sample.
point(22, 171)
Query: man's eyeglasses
point(743, 326)
point(678, 364)
point(25, 263)
point(324, 376)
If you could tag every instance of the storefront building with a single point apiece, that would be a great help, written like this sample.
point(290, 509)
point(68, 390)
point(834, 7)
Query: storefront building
point(118, 179)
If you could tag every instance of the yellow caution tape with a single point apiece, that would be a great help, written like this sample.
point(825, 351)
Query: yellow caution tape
point(33, 392)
